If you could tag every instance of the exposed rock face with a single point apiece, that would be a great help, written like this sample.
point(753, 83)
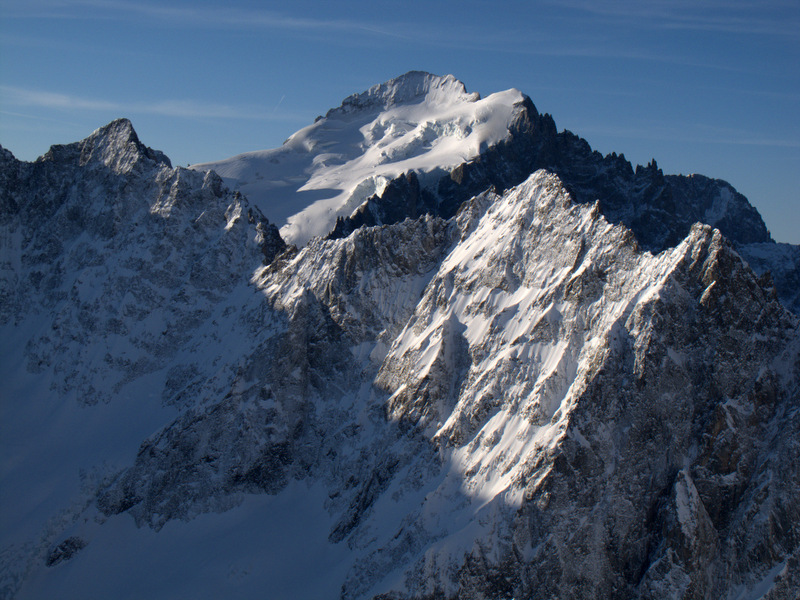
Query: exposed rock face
point(65, 550)
point(510, 398)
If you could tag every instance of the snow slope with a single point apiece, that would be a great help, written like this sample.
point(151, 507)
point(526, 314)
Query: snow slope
point(418, 122)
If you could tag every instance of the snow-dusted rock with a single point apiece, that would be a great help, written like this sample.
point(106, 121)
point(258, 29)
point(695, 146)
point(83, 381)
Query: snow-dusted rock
point(509, 397)
point(123, 281)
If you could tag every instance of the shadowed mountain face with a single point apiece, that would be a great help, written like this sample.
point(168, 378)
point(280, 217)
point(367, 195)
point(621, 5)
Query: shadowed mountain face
point(659, 209)
point(482, 384)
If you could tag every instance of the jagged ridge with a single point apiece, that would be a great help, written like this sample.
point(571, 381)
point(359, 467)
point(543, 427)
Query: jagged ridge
point(469, 403)
point(385, 170)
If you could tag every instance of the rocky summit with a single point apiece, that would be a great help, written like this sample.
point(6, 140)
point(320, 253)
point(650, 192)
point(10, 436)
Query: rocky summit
point(460, 356)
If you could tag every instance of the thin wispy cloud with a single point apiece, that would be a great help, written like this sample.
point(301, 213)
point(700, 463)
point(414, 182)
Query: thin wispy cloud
point(31, 117)
point(15, 96)
point(41, 9)
point(203, 16)
point(279, 103)
point(742, 17)
point(533, 40)
point(606, 52)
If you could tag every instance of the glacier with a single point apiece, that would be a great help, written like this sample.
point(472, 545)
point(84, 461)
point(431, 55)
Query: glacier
point(461, 381)
point(417, 122)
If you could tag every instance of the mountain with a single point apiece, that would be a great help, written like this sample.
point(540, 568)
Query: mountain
point(418, 122)
point(420, 144)
point(524, 393)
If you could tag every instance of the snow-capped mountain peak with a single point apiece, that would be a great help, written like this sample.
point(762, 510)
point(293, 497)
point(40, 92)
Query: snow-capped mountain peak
point(411, 88)
point(115, 146)
point(418, 123)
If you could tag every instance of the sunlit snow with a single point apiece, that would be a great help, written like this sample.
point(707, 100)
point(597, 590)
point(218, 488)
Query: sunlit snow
point(418, 122)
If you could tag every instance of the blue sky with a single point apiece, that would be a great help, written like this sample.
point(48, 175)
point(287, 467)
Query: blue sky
point(707, 87)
